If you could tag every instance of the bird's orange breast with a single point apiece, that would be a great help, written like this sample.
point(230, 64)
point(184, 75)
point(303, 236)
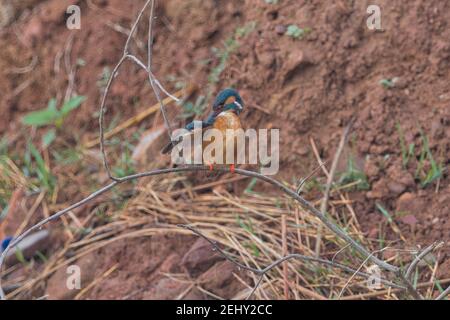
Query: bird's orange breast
point(227, 120)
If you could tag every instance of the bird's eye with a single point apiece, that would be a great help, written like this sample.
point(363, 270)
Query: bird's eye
point(230, 100)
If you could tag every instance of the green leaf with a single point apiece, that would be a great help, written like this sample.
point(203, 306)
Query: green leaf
point(72, 104)
point(37, 156)
point(42, 172)
point(40, 118)
point(48, 138)
point(387, 83)
point(52, 105)
point(20, 257)
point(251, 185)
point(295, 32)
point(384, 212)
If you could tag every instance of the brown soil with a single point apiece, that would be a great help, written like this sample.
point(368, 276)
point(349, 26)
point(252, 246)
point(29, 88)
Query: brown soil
point(310, 88)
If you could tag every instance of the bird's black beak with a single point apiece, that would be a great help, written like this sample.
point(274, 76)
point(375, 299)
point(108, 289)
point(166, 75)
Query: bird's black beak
point(240, 107)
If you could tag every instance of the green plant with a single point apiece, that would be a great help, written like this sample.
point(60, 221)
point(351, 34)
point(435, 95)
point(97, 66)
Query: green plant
point(52, 116)
point(251, 185)
point(249, 228)
point(296, 32)
point(253, 247)
point(390, 220)
point(178, 83)
point(4, 143)
point(381, 236)
point(125, 165)
point(35, 167)
point(407, 152)
point(435, 172)
point(193, 109)
point(104, 78)
point(101, 213)
point(385, 213)
point(354, 175)
point(230, 45)
point(5, 186)
point(67, 156)
point(20, 257)
point(310, 184)
point(41, 256)
point(388, 83)
point(246, 226)
point(241, 32)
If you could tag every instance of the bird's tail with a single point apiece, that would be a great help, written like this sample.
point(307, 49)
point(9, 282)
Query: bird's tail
point(167, 148)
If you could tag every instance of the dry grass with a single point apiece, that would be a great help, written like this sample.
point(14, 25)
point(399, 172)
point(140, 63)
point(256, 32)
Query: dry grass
point(249, 228)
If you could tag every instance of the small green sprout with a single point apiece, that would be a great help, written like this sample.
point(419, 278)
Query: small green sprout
point(354, 175)
point(295, 32)
point(407, 152)
point(385, 213)
point(436, 170)
point(125, 165)
point(245, 30)
point(230, 45)
point(389, 83)
point(251, 185)
point(52, 116)
point(104, 78)
point(194, 109)
point(38, 168)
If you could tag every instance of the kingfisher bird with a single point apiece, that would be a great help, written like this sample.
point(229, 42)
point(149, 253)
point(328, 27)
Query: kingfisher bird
point(225, 116)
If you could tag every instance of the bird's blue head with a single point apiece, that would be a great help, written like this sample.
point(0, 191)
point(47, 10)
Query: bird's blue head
point(228, 99)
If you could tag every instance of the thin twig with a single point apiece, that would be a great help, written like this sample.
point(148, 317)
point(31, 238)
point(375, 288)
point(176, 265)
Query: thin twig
point(285, 252)
point(263, 271)
point(292, 193)
point(326, 196)
point(444, 294)
point(96, 281)
point(357, 270)
point(124, 57)
point(420, 256)
point(304, 180)
point(137, 118)
point(409, 287)
point(152, 79)
point(127, 56)
point(388, 291)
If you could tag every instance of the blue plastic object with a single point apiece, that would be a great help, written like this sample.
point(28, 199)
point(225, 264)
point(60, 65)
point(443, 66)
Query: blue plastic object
point(5, 243)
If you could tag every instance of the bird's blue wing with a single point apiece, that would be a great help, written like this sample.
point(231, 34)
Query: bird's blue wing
point(208, 122)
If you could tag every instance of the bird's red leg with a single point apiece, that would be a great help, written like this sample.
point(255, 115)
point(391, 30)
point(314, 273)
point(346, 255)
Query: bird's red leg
point(232, 168)
point(210, 165)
